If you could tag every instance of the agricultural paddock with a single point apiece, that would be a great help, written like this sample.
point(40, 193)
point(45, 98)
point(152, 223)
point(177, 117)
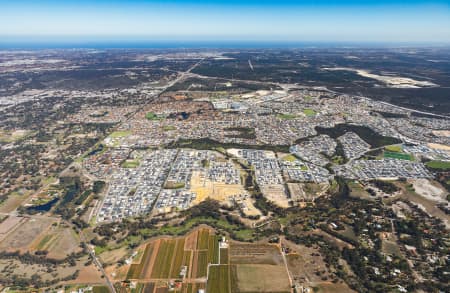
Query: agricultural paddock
point(241, 269)
point(257, 268)
point(255, 254)
point(261, 278)
point(164, 259)
point(219, 279)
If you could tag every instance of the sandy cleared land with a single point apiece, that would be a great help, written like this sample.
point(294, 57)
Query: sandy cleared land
point(439, 146)
point(250, 209)
point(11, 136)
point(205, 188)
point(445, 133)
point(392, 81)
point(427, 205)
point(88, 275)
point(429, 190)
point(276, 193)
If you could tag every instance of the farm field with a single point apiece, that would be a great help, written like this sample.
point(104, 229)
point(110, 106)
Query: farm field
point(219, 279)
point(182, 259)
point(255, 254)
point(187, 264)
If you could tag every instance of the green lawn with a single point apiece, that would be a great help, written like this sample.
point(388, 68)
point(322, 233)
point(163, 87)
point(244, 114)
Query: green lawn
point(130, 164)
point(289, 158)
point(100, 289)
point(169, 128)
point(152, 116)
point(439, 165)
point(401, 156)
point(394, 148)
point(286, 116)
point(117, 134)
point(309, 112)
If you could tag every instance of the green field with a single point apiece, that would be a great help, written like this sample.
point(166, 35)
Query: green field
point(169, 128)
point(44, 242)
point(401, 156)
point(438, 165)
point(203, 239)
point(117, 134)
point(309, 112)
point(130, 164)
point(161, 269)
point(202, 263)
point(286, 116)
point(218, 279)
point(213, 249)
point(224, 256)
point(136, 270)
point(394, 148)
point(100, 289)
point(289, 158)
point(178, 259)
point(152, 116)
point(174, 185)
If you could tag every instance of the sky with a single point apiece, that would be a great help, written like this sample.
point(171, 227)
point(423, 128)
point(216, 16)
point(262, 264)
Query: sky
point(245, 20)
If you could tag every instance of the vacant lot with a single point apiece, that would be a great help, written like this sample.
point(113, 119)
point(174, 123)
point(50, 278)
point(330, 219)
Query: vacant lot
point(23, 236)
point(329, 287)
point(58, 241)
point(304, 262)
point(205, 188)
point(8, 224)
point(13, 201)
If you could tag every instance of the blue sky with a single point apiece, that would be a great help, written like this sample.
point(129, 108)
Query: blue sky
point(263, 20)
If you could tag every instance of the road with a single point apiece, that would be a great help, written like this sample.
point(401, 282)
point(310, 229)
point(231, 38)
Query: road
point(97, 263)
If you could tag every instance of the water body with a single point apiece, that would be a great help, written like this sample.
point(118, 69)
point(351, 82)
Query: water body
point(43, 207)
